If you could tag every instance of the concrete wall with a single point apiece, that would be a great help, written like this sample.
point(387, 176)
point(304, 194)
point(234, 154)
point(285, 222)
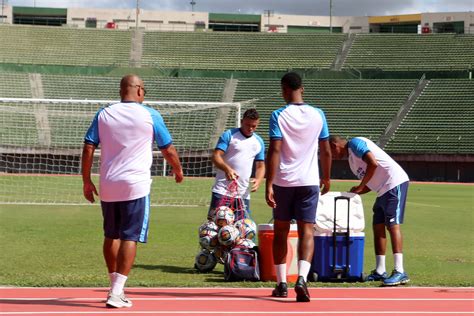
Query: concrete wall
point(281, 21)
point(7, 16)
point(151, 20)
point(185, 21)
point(427, 19)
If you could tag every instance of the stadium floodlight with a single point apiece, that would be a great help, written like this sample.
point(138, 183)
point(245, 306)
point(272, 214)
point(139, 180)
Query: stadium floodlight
point(330, 16)
point(192, 3)
point(41, 145)
point(137, 13)
point(268, 14)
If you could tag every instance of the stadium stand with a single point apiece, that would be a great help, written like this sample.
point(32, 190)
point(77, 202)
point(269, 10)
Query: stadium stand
point(441, 121)
point(392, 52)
point(239, 51)
point(64, 46)
point(352, 107)
point(158, 88)
point(14, 85)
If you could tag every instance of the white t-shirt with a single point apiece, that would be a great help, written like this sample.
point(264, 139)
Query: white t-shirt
point(125, 132)
point(240, 152)
point(388, 174)
point(300, 127)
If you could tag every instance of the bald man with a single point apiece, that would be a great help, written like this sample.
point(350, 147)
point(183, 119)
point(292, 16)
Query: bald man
point(126, 132)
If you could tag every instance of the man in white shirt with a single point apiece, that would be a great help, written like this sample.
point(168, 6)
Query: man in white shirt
point(297, 131)
point(378, 172)
point(125, 131)
point(234, 155)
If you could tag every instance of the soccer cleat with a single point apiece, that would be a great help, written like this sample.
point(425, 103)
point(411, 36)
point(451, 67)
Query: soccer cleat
point(396, 278)
point(302, 294)
point(281, 290)
point(374, 276)
point(118, 301)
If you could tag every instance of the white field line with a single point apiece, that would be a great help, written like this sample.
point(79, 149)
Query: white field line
point(424, 204)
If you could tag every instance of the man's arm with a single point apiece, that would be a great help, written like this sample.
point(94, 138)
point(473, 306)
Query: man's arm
point(259, 174)
point(218, 160)
point(273, 160)
point(326, 162)
point(372, 165)
point(171, 156)
point(88, 186)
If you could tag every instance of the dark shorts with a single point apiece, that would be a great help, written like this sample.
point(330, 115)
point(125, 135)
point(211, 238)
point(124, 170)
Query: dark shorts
point(298, 203)
point(389, 208)
point(127, 220)
point(216, 200)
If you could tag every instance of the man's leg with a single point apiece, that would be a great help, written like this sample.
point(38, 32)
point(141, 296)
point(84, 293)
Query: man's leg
point(126, 256)
point(280, 242)
point(133, 228)
point(380, 240)
point(280, 249)
point(394, 217)
point(305, 257)
point(305, 247)
point(396, 238)
point(305, 208)
point(397, 246)
point(110, 249)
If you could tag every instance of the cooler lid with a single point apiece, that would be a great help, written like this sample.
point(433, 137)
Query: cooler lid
point(325, 213)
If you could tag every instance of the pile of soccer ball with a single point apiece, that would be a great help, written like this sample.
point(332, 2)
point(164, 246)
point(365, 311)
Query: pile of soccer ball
point(219, 235)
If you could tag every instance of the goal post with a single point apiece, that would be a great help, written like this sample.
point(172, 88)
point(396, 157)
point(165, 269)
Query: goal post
point(41, 144)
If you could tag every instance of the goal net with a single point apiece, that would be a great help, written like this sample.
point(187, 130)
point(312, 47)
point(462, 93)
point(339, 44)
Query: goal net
point(41, 145)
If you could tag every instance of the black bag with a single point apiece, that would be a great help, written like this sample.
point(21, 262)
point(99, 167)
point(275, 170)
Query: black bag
point(241, 264)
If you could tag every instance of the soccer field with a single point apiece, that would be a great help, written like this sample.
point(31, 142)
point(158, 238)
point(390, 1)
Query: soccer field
point(57, 245)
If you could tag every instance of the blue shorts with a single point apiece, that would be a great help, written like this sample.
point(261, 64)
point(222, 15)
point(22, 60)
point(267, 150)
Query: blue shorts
point(216, 200)
point(298, 203)
point(127, 220)
point(389, 208)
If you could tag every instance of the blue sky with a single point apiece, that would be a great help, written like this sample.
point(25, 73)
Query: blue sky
point(307, 7)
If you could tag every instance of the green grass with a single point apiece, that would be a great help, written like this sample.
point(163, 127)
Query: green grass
point(62, 245)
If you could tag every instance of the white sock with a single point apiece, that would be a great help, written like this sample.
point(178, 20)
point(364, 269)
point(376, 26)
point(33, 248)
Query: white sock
point(112, 277)
point(380, 264)
point(280, 270)
point(119, 284)
point(303, 268)
point(398, 258)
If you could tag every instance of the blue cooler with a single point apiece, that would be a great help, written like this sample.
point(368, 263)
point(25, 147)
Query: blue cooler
point(338, 239)
point(346, 263)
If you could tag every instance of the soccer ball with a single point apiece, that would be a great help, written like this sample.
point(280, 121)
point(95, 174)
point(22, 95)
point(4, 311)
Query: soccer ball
point(208, 235)
point(228, 235)
point(247, 228)
point(205, 261)
point(245, 243)
point(224, 216)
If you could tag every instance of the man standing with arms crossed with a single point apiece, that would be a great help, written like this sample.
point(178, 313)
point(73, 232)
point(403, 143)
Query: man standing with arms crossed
point(125, 132)
point(380, 173)
point(297, 130)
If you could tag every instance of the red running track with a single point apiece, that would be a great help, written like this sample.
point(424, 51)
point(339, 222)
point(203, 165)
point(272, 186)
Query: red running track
point(237, 301)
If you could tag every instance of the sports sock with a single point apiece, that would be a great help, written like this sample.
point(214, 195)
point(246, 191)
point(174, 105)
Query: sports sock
point(119, 284)
point(112, 277)
point(380, 264)
point(280, 272)
point(398, 258)
point(303, 269)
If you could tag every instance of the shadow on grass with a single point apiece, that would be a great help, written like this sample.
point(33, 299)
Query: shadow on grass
point(172, 269)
